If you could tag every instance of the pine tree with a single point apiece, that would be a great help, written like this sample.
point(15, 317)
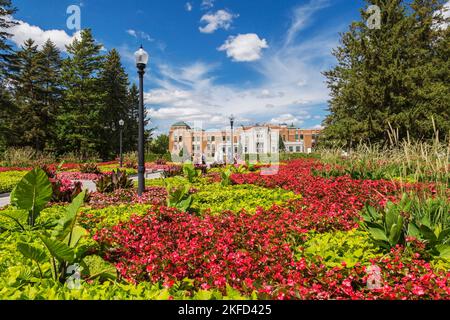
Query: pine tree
point(80, 124)
point(52, 91)
point(6, 105)
point(31, 119)
point(131, 130)
point(114, 85)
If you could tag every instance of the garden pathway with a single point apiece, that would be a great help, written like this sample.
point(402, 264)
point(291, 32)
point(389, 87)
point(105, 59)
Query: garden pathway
point(87, 184)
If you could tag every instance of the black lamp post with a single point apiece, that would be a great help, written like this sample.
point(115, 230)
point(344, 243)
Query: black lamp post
point(232, 118)
point(141, 63)
point(121, 124)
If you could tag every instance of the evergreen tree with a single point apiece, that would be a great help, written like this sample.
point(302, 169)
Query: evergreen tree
point(388, 75)
point(52, 91)
point(31, 116)
point(114, 85)
point(6, 105)
point(80, 122)
point(131, 130)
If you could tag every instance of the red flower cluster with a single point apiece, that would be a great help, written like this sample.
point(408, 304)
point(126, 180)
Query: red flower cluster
point(327, 203)
point(78, 176)
point(253, 253)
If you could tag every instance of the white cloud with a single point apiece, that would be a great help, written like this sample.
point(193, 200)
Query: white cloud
point(286, 118)
point(290, 85)
point(207, 4)
point(222, 19)
point(132, 33)
point(140, 34)
point(188, 6)
point(302, 16)
point(244, 47)
point(24, 31)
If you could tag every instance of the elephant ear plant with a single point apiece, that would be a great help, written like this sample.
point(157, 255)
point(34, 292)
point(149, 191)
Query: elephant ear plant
point(30, 196)
point(63, 244)
point(58, 240)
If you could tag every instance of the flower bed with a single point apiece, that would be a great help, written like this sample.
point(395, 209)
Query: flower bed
point(152, 195)
point(9, 179)
point(252, 253)
point(76, 176)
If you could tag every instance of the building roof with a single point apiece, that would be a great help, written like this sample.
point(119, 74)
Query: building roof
point(181, 124)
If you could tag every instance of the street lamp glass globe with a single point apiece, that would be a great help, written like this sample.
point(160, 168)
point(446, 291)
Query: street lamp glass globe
point(121, 123)
point(141, 57)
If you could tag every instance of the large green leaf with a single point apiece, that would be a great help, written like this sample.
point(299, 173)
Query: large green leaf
point(67, 223)
point(413, 231)
point(391, 216)
point(444, 251)
point(73, 238)
point(428, 234)
point(59, 250)
point(33, 192)
point(32, 252)
point(378, 234)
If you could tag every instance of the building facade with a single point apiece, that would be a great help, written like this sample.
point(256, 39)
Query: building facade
point(188, 143)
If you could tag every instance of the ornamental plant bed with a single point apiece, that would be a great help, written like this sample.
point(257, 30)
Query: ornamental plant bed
point(252, 253)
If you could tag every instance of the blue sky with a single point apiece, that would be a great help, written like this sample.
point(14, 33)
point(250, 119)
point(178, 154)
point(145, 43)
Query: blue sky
point(260, 60)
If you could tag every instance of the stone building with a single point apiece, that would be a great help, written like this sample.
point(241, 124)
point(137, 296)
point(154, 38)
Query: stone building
point(187, 143)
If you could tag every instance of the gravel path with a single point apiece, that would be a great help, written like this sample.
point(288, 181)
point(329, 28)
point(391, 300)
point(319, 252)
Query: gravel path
point(87, 184)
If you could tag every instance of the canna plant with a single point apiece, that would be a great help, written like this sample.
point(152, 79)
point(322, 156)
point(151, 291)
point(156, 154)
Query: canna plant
point(226, 177)
point(387, 228)
point(111, 182)
point(179, 196)
point(427, 221)
point(191, 173)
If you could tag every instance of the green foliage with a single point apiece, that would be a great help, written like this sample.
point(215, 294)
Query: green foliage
point(388, 228)
point(191, 173)
point(160, 145)
point(427, 221)
point(89, 167)
point(9, 179)
point(226, 177)
point(62, 242)
point(220, 198)
point(333, 249)
point(118, 179)
point(179, 196)
point(32, 194)
point(396, 75)
point(49, 290)
point(96, 219)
